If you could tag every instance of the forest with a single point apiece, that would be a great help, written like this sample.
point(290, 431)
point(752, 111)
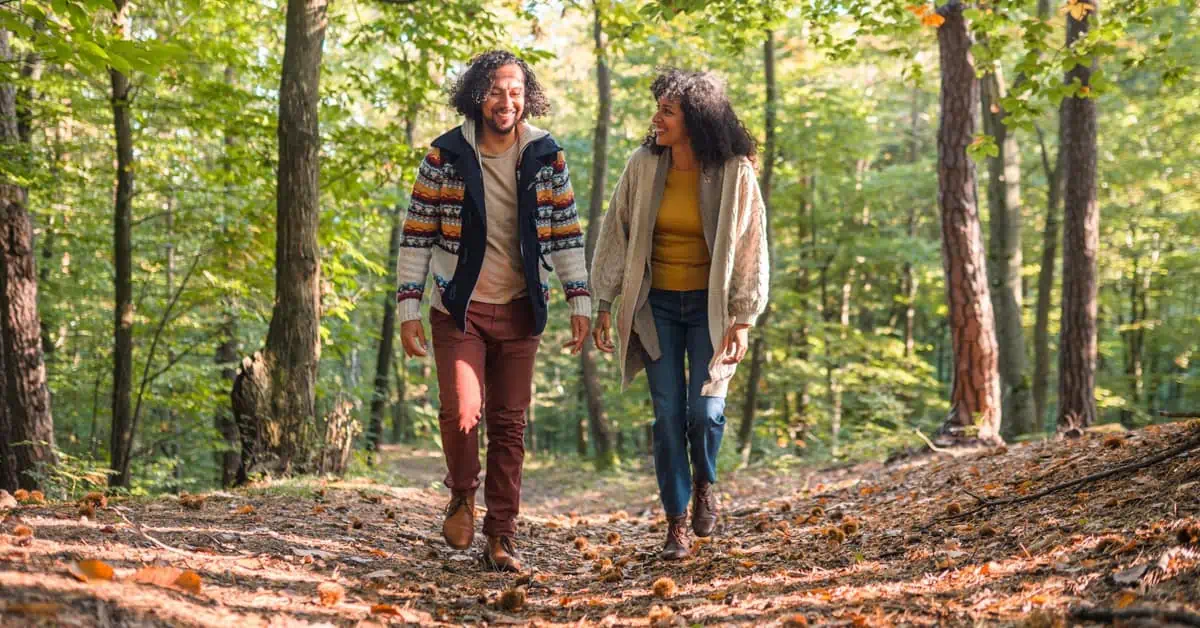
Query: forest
point(983, 221)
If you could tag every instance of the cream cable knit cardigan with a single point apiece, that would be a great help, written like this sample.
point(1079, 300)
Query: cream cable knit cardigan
point(735, 228)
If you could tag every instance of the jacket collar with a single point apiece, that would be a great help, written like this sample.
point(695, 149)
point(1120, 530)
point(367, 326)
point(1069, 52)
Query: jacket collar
point(462, 140)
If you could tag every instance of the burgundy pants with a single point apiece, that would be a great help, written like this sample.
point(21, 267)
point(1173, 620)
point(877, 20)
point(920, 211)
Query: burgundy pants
point(488, 367)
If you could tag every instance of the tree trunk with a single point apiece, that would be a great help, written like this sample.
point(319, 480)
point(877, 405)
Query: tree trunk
point(1135, 337)
point(275, 396)
point(1004, 259)
point(401, 424)
point(975, 396)
point(122, 414)
point(1081, 240)
point(758, 347)
point(594, 391)
point(910, 277)
point(1041, 330)
point(24, 397)
point(387, 333)
point(227, 351)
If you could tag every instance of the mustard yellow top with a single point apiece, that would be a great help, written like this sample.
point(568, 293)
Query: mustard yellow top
point(680, 258)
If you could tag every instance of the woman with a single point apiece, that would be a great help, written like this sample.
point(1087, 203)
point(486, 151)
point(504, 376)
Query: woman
point(684, 246)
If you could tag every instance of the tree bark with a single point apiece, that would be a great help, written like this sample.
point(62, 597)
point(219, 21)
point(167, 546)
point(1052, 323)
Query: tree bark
point(1135, 335)
point(122, 411)
point(975, 395)
point(26, 425)
point(387, 333)
point(1004, 259)
point(589, 371)
point(759, 345)
point(275, 397)
point(1081, 241)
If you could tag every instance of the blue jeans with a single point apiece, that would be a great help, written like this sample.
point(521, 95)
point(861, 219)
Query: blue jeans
point(683, 419)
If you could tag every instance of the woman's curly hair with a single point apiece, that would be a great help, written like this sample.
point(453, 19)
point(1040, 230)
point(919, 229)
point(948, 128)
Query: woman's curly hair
point(469, 91)
point(714, 129)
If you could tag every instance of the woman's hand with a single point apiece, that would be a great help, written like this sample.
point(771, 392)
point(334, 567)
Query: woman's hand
point(601, 333)
point(735, 343)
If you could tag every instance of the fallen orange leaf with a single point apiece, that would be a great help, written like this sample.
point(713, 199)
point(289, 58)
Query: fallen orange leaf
point(89, 570)
point(385, 609)
point(170, 578)
point(22, 530)
point(330, 593)
point(245, 510)
point(1125, 598)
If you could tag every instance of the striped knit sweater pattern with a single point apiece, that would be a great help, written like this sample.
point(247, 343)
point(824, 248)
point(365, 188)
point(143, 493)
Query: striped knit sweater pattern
point(433, 229)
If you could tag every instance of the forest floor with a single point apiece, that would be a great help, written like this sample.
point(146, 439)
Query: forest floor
point(868, 545)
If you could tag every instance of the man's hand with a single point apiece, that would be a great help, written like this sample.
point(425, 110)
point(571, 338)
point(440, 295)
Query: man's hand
point(580, 325)
point(733, 347)
point(412, 336)
point(602, 334)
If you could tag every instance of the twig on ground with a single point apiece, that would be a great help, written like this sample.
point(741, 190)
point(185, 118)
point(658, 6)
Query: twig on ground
point(928, 442)
point(137, 526)
point(1188, 445)
point(1179, 415)
point(1111, 615)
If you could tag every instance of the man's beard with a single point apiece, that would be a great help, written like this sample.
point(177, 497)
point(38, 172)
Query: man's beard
point(491, 123)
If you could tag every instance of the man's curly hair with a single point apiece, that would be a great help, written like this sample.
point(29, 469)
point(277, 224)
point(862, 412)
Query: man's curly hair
point(714, 129)
point(469, 91)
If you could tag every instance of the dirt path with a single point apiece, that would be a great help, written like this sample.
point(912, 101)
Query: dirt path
point(856, 547)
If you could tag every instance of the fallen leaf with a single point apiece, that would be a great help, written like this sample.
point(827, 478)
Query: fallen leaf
point(385, 609)
point(169, 578)
point(90, 570)
point(1131, 575)
point(382, 573)
point(1124, 599)
point(244, 510)
point(22, 531)
point(314, 553)
point(330, 593)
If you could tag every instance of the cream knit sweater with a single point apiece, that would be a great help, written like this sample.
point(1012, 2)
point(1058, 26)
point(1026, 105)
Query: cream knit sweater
point(735, 225)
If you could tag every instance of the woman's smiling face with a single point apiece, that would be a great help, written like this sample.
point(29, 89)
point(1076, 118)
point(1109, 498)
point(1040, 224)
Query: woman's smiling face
point(669, 129)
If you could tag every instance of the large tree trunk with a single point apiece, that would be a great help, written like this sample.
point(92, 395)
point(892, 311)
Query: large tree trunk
point(1004, 259)
point(589, 371)
point(758, 346)
point(122, 410)
point(387, 332)
point(24, 398)
point(275, 394)
point(975, 396)
point(1081, 241)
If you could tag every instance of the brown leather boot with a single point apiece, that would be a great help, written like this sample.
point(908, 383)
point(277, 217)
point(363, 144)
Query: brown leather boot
point(678, 545)
point(704, 509)
point(501, 554)
point(458, 528)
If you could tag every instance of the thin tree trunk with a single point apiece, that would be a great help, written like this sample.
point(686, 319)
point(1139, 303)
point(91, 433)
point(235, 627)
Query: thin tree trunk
point(387, 333)
point(1041, 330)
point(1081, 240)
point(275, 393)
point(975, 396)
point(1134, 336)
point(24, 397)
point(589, 371)
point(1004, 259)
point(401, 424)
point(122, 410)
point(227, 350)
point(910, 276)
point(759, 346)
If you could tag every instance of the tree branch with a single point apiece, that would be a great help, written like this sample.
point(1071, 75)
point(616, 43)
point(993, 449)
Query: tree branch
point(1187, 445)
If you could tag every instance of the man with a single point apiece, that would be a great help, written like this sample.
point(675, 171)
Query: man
point(492, 212)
